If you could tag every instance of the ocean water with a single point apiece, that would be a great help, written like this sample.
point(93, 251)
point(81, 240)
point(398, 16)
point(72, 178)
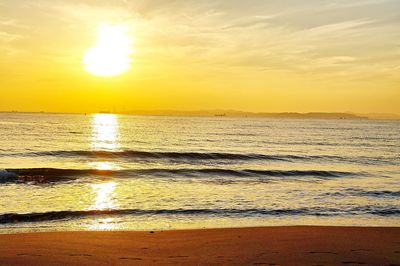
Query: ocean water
point(120, 172)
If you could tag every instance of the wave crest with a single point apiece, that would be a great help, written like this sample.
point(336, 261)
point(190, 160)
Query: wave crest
point(199, 156)
point(317, 211)
point(43, 175)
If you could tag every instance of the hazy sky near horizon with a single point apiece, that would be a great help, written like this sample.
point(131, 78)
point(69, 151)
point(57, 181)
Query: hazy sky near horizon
point(255, 55)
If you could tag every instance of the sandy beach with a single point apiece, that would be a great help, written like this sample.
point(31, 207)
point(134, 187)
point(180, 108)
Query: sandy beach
point(302, 245)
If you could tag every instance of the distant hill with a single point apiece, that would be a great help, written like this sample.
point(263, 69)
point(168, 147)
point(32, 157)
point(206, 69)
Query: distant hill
point(234, 113)
point(383, 116)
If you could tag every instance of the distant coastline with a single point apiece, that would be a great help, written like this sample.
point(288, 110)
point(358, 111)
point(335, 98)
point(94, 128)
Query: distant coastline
point(238, 114)
point(233, 113)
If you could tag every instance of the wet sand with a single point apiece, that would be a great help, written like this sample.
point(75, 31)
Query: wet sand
point(302, 245)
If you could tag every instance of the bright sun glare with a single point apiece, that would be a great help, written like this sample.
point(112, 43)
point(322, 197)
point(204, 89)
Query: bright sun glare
point(111, 54)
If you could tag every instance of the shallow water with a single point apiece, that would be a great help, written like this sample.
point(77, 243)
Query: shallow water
point(119, 172)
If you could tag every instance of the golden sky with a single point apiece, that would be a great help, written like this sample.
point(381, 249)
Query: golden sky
point(254, 55)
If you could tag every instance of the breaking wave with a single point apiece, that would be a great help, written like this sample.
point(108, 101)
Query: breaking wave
point(317, 211)
point(43, 175)
point(193, 156)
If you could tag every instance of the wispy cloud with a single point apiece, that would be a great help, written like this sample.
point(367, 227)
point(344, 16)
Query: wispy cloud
point(284, 35)
point(9, 37)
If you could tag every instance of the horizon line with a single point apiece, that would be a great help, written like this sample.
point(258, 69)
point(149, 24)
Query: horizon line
point(227, 113)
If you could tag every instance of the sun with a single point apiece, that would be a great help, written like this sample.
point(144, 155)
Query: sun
point(111, 55)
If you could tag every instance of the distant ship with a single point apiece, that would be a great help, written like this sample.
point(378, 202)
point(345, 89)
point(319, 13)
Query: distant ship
point(220, 115)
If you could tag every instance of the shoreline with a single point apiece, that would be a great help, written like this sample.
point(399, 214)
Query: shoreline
point(7, 231)
point(276, 245)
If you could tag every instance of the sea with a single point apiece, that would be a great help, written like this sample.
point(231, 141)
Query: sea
point(72, 172)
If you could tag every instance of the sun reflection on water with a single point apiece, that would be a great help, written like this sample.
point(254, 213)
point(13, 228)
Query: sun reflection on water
point(105, 132)
point(103, 224)
point(104, 138)
point(104, 200)
point(105, 165)
point(104, 196)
